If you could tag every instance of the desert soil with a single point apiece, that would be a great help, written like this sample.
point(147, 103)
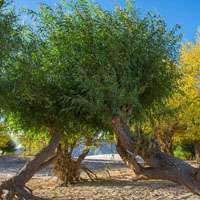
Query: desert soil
point(116, 182)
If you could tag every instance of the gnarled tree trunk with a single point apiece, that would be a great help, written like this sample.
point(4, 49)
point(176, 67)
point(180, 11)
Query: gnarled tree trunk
point(68, 169)
point(160, 165)
point(16, 186)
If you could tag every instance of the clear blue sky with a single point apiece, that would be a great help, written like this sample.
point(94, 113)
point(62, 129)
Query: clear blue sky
point(183, 12)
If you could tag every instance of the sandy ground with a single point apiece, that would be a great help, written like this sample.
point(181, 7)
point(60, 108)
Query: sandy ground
point(116, 182)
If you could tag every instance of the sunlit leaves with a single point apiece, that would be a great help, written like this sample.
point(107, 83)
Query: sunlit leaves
point(83, 63)
point(190, 65)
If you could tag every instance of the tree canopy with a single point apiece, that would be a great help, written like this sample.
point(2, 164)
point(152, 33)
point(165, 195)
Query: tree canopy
point(85, 63)
point(84, 66)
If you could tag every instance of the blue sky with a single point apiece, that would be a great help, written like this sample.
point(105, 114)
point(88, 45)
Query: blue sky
point(183, 12)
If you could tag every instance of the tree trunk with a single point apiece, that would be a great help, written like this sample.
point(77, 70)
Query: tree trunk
point(197, 151)
point(160, 165)
point(16, 185)
point(67, 168)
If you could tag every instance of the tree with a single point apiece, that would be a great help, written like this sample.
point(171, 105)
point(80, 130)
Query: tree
point(118, 66)
point(122, 66)
point(103, 69)
point(19, 101)
point(165, 123)
point(178, 123)
point(33, 95)
point(190, 100)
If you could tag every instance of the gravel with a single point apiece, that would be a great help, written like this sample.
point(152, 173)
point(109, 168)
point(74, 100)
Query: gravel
point(116, 182)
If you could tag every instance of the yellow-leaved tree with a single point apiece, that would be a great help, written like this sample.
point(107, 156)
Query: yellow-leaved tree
point(179, 121)
point(190, 100)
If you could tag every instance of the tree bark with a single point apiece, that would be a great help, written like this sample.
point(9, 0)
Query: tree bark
point(16, 185)
point(160, 165)
point(67, 168)
point(197, 151)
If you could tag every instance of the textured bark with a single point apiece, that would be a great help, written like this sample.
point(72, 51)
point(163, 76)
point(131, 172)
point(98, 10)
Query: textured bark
point(197, 151)
point(67, 168)
point(16, 185)
point(160, 165)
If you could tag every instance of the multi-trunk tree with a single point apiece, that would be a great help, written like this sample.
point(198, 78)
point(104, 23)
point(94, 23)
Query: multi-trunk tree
point(104, 69)
point(74, 146)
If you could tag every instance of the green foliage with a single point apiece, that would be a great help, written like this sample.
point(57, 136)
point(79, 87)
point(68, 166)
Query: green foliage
point(6, 143)
point(183, 153)
point(9, 147)
point(9, 30)
point(87, 64)
point(4, 139)
point(190, 101)
point(32, 141)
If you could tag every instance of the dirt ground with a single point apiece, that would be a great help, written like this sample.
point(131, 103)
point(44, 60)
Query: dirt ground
point(116, 182)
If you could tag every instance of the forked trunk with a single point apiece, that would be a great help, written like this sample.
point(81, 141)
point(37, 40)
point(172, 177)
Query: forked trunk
point(68, 169)
point(16, 185)
point(160, 165)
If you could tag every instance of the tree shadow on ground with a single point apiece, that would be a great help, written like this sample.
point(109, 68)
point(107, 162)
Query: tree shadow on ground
point(156, 184)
